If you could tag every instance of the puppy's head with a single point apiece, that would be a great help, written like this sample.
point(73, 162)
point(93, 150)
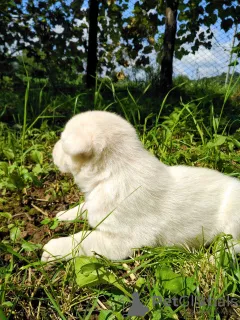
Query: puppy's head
point(80, 142)
point(88, 136)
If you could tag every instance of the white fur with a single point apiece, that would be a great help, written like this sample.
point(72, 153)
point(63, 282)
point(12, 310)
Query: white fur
point(134, 200)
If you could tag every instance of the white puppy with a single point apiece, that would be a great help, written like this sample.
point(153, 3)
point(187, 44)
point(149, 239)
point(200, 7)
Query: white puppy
point(134, 200)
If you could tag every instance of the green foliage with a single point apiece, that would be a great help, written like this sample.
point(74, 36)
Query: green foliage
point(194, 125)
point(16, 172)
point(174, 283)
point(30, 28)
point(15, 232)
point(91, 272)
point(29, 247)
point(53, 223)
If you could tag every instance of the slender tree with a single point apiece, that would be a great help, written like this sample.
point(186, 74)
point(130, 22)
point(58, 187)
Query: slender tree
point(168, 45)
point(92, 43)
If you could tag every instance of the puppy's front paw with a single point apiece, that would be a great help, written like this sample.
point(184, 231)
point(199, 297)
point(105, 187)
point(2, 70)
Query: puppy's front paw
point(71, 214)
point(65, 216)
point(57, 249)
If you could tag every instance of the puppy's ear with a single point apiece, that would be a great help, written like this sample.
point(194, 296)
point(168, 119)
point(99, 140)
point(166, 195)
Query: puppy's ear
point(74, 144)
point(82, 144)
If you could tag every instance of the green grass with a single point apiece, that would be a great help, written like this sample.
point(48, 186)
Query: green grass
point(197, 124)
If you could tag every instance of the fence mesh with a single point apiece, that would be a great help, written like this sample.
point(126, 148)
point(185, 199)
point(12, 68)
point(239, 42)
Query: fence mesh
point(211, 62)
point(205, 62)
point(60, 33)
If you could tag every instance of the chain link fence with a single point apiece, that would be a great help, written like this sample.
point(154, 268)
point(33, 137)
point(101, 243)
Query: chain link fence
point(217, 61)
point(205, 63)
point(70, 45)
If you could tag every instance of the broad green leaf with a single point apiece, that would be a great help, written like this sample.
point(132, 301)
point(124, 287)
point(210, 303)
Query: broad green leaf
point(220, 140)
point(37, 156)
point(117, 302)
point(6, 215)
point(46, 221)
point(140, 282)
point(55, 224)
point(90, 271)
point(37, 169)
point(28, 246)
point(9, 154)
point(15, 233)
point(226, 24)
point(236, 143)
point(106, 315)
point(4, 167)
point(16, 180)
point(175, 283)
point(8, 304)
point(147, 49)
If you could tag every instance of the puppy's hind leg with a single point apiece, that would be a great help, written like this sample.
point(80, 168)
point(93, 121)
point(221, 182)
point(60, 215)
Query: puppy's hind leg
point(87, 243)
point(72, 214)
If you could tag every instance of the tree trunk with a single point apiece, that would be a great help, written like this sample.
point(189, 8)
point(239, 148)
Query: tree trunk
point(168, 46)
point(92, 43)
